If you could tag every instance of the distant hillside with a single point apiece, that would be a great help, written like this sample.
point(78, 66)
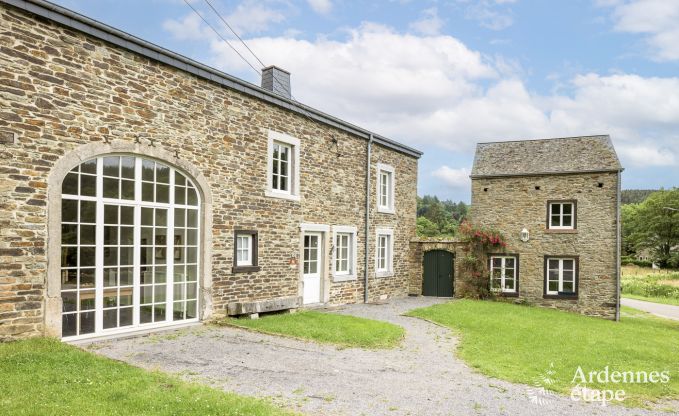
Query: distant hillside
point(635, 196)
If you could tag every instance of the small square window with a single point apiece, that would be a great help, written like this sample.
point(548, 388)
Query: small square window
point(561, 215)
point(245, 251)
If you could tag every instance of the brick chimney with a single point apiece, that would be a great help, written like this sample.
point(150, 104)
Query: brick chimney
point(276, 80)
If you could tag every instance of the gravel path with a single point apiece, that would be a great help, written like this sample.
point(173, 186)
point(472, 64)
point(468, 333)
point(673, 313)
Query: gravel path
point(421, 377)
point(659, 309)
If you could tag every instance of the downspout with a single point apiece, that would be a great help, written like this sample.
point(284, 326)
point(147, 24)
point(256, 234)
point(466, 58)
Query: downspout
point(367, 219)
point(618, 248)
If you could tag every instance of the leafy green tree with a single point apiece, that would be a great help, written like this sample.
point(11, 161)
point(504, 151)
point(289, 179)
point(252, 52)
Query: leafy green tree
point(444, 215)
point(652, 225)
point(426, 228)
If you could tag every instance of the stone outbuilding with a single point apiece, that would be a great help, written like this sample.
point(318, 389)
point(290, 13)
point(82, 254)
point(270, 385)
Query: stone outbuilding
point(557, 202)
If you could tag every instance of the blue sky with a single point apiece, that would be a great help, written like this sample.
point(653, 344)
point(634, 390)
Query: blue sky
point(444, 75)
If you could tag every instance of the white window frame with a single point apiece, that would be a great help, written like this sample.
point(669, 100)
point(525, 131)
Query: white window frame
point(351, 274)
point(561, 215)
point(503, 269)
point(561, 270)
point(248, 249)
point(389, 263)
point(391, 188)
point(293, 166)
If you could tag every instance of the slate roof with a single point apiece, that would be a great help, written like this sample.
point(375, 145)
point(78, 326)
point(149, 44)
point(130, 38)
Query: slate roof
point(144, 48)
point(545, 156)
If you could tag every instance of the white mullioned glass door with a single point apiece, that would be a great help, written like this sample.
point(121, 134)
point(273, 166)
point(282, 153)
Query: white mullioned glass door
point(129, 246)
point(312, 267)
point(503, 273)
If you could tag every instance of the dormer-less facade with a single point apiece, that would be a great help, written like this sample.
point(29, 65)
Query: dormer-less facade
point(143, 190)
point(557, 201)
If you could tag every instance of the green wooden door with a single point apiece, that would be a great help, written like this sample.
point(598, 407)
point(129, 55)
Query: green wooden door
point(438, 274)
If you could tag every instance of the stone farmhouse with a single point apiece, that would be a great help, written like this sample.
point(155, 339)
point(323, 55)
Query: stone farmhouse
point(557, 202)
point(142, 190)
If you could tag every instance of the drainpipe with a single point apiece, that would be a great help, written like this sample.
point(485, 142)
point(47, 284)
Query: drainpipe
point(618, 248)
point(367, 218)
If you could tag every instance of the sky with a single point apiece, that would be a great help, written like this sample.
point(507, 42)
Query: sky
point(442, 76)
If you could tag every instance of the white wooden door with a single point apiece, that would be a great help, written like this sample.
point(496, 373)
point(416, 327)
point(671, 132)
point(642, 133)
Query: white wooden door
point(312, 266)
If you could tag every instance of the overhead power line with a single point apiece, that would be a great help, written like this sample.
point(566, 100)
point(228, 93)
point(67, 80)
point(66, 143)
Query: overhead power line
point(222, 37)
point(234, 32)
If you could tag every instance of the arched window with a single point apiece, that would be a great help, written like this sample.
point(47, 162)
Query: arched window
point(129, 246)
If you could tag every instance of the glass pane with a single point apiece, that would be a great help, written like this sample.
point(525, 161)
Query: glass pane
point(567, 209)
point(553, 286)
point(145, 314)
point(126, 235)
point(178, 311)
point(147, 192)
point(192, 197)
point(497, 262)
point(125, 316)
point(192, 218)
point(159, 313)
point(568, 265)
point(160, 275)
point(161, 217)
point(147, 168)
point(111, 214)
point(555, 209)
point(86, 300)
point(111, 166)
point(125, 298)
point(179, 195)
point(191, 309)
point(568, 287)
point(110, 256)
point(191, 254)
point(110, 298)
point(179, 217)
point(69, 279)
point(179, 275)
point(179, 179)
point(568, 275)
point(86, 256)
point(69, 234)
point(162, 173)
point(179, 291)
point(69, 301)
point(553, 264)
point(567, 221)
point(191, 290)
point(556, 222)
point(553, 275)
point(69, 210)
point(191, 273)
point(147, 294)
point(87, 278)
point(126, 276)
point(70, 185)
point(146, 236)
point(127, 215)
point(110, 277)
point(88, 185)
point(111, 235)
point(163, 193)
point(192, 237)
point(159, 293)
point(126, 254)
point(146, 276)
point(509, 273)
point(127, 167)
point(127, 190)
point(509, 262)
point(147, 216)
point(87, 234)
point(284, 183)
point(111, 188)
point(69, 325)
point(87, 323)
point(89, 167)
point(88, 211)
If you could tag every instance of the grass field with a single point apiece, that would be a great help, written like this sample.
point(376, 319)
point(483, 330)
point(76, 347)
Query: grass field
point(521, 343)
point(328, 328)
point(660, 286)
point(48, 377)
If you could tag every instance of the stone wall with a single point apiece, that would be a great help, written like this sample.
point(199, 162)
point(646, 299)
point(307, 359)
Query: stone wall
point(511, 203)
point(61, 90)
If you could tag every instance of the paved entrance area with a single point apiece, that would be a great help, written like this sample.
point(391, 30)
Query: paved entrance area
point(659, 309)
point(421, 377)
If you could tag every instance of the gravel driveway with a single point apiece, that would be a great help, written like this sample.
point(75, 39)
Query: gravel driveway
point(421, 377)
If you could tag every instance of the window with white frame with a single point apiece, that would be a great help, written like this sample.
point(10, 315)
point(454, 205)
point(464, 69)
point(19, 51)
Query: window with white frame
point(561, 276)
point(283, 166)
point(244, 250)
point(561, 215)
point(344, 254)
point(385, 188)
point(384, 252)
point(504, 273)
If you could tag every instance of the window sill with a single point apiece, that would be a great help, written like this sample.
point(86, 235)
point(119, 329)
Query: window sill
point(343, 277)
point(245, 269)
point(384, 274)
point(565, 296)
point(383, 210)
point(561, 231)
point(281, 195)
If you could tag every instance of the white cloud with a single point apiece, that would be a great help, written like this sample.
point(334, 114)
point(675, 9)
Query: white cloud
point(429, 24)
point(455, 178)
point(320, 6)
point(490, 13)
point(190, 27)
point(656, 19)
point(435, 91)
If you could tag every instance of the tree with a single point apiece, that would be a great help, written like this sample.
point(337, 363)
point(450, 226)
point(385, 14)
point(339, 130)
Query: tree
point(651, 225)
point(444, 215)
point(426, 228)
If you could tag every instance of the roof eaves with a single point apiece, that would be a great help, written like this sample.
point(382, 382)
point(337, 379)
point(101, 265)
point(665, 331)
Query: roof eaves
point(150, 50)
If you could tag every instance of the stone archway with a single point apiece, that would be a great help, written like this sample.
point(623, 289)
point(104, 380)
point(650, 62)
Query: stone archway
point(53, 299)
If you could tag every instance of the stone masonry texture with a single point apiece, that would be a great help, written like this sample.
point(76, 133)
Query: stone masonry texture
point(510, 204)
point(61, 89)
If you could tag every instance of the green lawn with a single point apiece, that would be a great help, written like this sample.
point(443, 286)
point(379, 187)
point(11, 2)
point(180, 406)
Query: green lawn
point(328, 328)
point(652, 285)
point(47, 377)
point(520, 343)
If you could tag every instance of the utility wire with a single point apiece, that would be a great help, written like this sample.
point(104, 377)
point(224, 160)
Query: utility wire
point(234, 32)
point(222, 37)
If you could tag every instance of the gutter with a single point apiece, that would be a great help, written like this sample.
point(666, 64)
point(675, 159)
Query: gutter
point(367, 219)
point(618, 238)
point(154, 52)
